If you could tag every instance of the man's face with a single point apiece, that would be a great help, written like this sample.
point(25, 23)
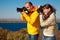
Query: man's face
point(28, 6)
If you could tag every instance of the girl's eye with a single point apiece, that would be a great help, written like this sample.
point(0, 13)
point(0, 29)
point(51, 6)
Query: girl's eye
point(47, 8)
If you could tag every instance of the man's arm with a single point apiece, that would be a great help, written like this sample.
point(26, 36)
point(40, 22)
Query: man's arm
point(26, 17)
point(32, 18)
point(23, 18)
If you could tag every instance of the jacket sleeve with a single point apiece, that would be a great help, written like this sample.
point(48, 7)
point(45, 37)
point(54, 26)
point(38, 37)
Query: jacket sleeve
point(32, 18)
point(23, 19)
point(47, 22)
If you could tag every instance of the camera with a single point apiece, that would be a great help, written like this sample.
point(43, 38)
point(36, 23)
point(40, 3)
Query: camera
point(40, 9)
point(23, 9)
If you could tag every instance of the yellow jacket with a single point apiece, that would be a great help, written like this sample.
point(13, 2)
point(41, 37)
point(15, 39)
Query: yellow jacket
point(33, 23)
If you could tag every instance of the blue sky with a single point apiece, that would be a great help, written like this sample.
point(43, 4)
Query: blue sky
point(8, 7)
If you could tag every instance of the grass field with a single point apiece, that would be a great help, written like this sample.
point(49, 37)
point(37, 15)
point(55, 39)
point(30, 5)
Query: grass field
point(19, 35)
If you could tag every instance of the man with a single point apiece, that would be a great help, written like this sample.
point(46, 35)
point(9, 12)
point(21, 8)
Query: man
point(33, 22)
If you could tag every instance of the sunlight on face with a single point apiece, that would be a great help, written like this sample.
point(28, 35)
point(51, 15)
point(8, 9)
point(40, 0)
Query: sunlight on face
point(28, 6)
point(46, 10)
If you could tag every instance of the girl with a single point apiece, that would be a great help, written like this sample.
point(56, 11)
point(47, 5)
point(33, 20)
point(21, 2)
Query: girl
point(48, 21)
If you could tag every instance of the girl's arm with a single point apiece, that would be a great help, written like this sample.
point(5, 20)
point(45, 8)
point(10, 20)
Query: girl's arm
point(49, 21)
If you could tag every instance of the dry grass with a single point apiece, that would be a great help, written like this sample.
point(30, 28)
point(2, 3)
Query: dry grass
point(20, 35)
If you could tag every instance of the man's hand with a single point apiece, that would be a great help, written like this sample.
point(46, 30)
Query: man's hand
point(22, 12)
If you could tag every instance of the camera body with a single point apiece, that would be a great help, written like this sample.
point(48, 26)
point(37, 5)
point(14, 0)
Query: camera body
point(40, 9)
point(23, 9)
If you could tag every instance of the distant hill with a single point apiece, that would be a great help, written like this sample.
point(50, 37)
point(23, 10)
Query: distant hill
point(12, 20)
point(17, 20)
point(58, 20)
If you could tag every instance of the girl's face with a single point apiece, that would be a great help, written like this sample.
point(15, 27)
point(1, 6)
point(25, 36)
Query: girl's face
point(46, 10)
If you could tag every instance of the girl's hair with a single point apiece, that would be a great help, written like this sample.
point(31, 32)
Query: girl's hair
point(49, 6)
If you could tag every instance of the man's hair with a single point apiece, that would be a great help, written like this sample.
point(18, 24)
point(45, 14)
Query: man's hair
point(29, 3)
